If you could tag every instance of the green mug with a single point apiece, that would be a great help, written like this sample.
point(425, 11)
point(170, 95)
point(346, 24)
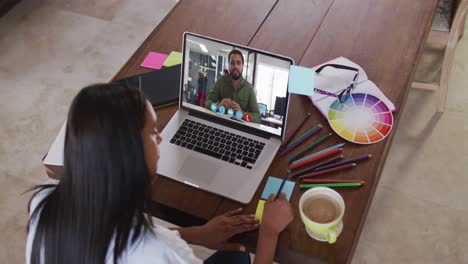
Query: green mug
point(326, 232)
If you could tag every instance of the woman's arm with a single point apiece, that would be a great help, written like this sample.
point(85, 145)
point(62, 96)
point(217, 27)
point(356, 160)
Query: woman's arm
point(276, 217)
point(218, 230)
point(266, 247)
point(191, 234)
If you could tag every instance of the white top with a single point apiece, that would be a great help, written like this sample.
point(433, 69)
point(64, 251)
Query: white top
point(164, 246)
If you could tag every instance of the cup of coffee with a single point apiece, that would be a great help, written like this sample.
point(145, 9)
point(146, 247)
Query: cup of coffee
point(322, 211)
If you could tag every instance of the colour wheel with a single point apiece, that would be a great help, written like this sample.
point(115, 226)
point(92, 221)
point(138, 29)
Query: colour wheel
point(362, 118)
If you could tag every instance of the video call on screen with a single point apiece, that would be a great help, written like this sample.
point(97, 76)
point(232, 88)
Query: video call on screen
point(223, 85)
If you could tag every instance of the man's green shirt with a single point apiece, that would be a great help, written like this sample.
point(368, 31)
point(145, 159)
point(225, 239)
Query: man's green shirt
point(244, 96)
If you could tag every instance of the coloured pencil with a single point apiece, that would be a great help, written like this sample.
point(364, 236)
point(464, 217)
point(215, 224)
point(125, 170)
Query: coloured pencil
point(320, 140)
point(344, 162)
point(319, 152)
point(297, 143)
point(326, 162)
point(282, 184)
point(329, 181)
point(310, 175)
point(303, 135)
point(315, 158)
point(297, 129)
point(332, 185)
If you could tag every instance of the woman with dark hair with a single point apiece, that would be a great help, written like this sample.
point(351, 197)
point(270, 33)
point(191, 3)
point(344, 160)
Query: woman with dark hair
point(96, 213)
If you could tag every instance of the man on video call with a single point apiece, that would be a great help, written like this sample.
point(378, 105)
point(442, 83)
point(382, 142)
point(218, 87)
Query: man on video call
point(233, 91)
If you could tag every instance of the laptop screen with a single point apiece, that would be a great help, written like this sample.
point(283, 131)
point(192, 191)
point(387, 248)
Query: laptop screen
point(234, 82)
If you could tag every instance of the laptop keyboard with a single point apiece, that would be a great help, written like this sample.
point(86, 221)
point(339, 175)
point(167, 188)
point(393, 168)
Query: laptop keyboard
point(218, 143)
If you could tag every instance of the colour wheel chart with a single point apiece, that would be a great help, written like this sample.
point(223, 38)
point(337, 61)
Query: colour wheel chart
point(362, 118)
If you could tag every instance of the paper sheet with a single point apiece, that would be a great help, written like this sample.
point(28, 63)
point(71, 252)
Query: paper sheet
point(335, 80)
point(259, 211)
point(154, 60)
point(55, 154)
point(301, 80)
point(272, 186)
point(173, 59)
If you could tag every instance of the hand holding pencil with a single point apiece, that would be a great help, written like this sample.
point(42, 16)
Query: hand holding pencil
point(277, 214)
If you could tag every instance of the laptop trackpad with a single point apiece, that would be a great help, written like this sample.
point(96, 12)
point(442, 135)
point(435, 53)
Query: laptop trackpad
point(199, 170)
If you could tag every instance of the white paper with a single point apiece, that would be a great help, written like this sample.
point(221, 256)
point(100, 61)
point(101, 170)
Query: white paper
point(55, 154)
point(335, 80)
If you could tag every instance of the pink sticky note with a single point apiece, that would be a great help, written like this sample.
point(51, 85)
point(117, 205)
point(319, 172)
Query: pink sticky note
point(154, 60)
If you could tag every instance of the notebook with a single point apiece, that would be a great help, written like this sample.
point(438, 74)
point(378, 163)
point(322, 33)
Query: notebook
point(161, 87)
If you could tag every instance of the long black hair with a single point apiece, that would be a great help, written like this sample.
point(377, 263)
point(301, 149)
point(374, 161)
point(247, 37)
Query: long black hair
point(105, 182)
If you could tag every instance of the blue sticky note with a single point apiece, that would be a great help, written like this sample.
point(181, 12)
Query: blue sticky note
point(301, 80)
point(272, 186)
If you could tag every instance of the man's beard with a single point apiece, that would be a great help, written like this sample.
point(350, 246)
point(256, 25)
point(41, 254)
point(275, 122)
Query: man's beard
point(234, 77)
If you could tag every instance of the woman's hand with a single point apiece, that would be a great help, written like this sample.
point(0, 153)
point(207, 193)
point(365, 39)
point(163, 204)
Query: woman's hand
point(277, 214)
point(218, 230)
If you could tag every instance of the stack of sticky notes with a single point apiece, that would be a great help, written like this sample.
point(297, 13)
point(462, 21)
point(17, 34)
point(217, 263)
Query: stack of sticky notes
point(272, 186)
point(301, 80)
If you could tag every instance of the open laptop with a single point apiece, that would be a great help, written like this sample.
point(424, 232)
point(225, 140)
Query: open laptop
point(207, 144)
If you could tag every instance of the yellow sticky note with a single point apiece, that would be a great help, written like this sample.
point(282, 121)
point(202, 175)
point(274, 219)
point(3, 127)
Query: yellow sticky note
point(259, 211)
point(174, 58)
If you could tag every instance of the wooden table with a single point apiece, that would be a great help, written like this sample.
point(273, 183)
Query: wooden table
point(385, 37)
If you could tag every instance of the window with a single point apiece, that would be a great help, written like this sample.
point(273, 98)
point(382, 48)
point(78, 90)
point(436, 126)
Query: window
point(270, 82)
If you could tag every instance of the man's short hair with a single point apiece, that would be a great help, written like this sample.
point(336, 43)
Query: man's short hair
point(236, 52)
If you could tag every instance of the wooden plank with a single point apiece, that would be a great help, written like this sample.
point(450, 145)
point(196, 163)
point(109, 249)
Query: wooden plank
point(438, 37)
point(290, 27)
point(235, 21)
point(425, 86)
point(382, 36)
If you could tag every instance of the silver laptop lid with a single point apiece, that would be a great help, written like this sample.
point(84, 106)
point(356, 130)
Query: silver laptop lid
point(258, 104)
